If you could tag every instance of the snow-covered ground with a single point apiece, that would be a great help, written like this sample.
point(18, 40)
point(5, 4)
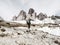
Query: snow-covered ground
point(21, 36)
point(54, 31)
point(36, 21)
point(35, 36)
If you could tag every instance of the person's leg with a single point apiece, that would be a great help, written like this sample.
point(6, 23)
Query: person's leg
point(29, 24)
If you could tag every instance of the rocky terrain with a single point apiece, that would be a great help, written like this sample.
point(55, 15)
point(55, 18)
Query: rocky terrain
point(23, 36)
point(17, 33)
point(44, 30)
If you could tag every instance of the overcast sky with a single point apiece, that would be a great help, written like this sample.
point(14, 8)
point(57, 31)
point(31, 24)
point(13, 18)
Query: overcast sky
point(9, 8)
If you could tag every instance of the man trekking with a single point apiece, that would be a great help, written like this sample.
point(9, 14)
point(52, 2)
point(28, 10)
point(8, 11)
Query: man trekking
point(29, 17)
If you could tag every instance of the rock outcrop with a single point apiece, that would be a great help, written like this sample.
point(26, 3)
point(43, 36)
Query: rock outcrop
point(14, 18)
point(31, 11)
point(1, 19)
point(22, 15)
point(53, 17)
point(41, 16)
point(56, 19)
point(31, 14)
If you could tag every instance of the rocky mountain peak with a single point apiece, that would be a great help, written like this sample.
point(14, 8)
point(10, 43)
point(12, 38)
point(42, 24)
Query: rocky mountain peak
point(31, 11)
point(22, 12)
point(1, 19)
point(41, 16)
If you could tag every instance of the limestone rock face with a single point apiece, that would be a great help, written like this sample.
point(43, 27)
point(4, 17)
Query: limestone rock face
point(22, 15)
point(56, 19)
point(41, 16)
point(53, 17)
point(31, 11)
point(1, 19)
point(14, 18)
point(31, 14)
point(34, 15)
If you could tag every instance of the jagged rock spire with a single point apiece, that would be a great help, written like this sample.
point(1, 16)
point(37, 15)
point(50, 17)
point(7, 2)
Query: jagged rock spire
point(41, 16)
point(31, 11)
point(14, 18)
point(1, 19)
point(22, 12)
point(22, 15)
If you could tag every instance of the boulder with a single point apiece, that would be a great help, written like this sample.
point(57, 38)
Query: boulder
point(41, 16)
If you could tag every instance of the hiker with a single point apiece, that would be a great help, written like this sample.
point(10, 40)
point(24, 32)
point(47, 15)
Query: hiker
point(29, 17)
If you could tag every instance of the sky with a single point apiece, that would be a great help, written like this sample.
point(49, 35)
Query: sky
point(10, 8)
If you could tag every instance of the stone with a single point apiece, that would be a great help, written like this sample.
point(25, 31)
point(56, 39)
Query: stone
point(41, 16)
point(31, 11)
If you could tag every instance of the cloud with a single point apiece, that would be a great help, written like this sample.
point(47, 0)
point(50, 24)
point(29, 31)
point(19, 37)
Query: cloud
point(46, 6)
point(7, 10)
point(57, 13)
point(24, 1)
